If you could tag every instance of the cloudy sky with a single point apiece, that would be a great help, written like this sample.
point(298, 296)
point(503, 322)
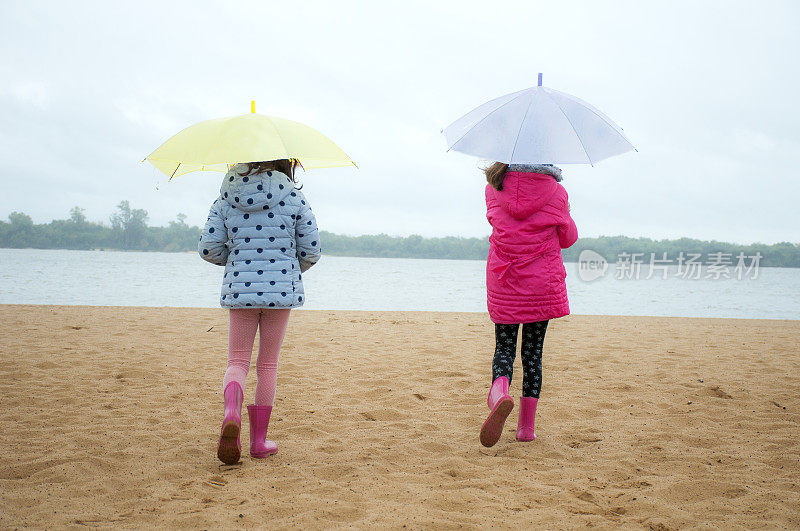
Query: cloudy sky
point(706, 90)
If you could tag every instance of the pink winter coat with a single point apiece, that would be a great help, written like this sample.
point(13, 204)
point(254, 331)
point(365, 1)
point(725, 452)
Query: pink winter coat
point(524, 271)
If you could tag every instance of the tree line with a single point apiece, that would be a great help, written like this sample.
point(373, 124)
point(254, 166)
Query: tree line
point(128, 230)
point(783, 254)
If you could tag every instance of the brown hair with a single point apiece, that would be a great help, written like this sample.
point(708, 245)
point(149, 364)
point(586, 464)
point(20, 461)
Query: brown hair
point(285, 166)
point(495, 173)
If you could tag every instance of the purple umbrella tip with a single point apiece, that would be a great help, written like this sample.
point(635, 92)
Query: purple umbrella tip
point(540, 79)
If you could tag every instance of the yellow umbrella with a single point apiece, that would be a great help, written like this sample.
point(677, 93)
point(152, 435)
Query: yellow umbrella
point(214, 145)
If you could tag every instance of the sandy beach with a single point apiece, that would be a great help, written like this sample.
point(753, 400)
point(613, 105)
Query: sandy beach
point(110, 417)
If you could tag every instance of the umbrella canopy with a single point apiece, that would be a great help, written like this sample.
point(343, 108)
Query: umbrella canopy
point(537, 125)
point(214, 145)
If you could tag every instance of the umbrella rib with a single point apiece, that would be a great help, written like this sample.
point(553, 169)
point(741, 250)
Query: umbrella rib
point(481, 121)
point(573, 128)
point(174, 171)
point(286, 151)
point(588, 107)
point(522, 123)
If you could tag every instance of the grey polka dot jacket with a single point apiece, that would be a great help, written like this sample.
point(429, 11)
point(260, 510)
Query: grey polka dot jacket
point(263, 231)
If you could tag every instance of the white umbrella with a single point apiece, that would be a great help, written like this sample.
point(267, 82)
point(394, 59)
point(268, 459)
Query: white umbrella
point(537, 125)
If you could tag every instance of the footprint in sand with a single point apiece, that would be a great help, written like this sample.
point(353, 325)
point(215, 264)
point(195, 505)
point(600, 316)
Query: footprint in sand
point(585, 440)
point(383, 415)
point(434, 447)
point(217, 481)
point(334, 472)
point(716, 392)
point(331, 449)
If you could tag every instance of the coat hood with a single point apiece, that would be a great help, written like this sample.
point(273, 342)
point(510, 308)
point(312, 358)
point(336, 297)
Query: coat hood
point(547, 169)
point(257, 191)
point(524, 193)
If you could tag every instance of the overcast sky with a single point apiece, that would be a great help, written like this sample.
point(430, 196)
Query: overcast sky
point(707, 91)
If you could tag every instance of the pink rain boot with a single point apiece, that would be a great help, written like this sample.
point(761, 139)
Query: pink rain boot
point(229, 448)
point(501, 405)
point(259, 421)
point(527, 414)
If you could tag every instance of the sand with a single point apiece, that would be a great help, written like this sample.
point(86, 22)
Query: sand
point(110, 417)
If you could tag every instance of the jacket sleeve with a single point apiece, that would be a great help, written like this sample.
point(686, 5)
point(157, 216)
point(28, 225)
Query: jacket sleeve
point(214, 238)
point(567, 230)
point(306, 236)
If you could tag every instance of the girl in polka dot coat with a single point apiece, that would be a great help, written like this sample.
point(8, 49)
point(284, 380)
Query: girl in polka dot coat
point(530, 217)
point(262, 230)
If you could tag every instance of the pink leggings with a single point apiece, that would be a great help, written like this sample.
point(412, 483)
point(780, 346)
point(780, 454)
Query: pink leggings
point(243, 326)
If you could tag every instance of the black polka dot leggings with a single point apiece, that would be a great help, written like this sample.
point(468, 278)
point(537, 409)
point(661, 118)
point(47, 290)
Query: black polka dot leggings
point(506, 350)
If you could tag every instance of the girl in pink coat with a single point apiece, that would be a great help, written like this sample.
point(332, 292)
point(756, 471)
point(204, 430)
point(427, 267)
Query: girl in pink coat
point(529, 213)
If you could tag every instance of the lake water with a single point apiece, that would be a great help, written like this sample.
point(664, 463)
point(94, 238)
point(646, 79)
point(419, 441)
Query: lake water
point(108, 278)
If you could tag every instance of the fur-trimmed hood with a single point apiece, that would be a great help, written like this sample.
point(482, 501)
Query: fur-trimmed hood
point(547, 169)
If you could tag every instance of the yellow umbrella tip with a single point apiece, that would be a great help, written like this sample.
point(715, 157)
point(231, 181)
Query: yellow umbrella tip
point(253, 106)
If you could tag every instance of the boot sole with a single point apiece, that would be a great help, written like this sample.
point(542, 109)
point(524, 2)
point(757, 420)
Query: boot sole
point(229, 450)
point(492, 428)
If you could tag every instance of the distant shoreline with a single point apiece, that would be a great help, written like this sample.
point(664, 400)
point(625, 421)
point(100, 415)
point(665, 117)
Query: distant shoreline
point(570, 256)
point(129, 232)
